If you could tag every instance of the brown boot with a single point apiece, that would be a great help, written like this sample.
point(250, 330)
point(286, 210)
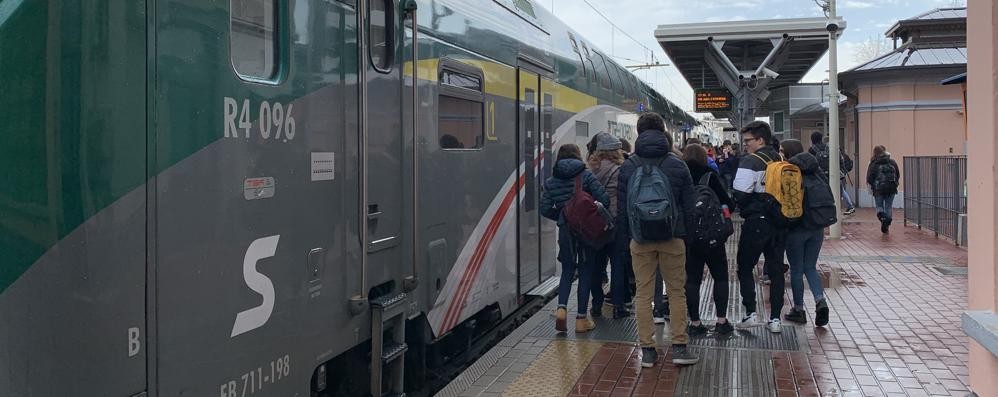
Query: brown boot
point(561, 319)
point(584, 324)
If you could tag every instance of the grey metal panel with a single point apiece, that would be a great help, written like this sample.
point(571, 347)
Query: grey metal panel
point(724, 373)
point(64, 324)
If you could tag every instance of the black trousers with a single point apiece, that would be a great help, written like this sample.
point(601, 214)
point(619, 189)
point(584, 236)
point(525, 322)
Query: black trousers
point(717, 263)
point(759, 237)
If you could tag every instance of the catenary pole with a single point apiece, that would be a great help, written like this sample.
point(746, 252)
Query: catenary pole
point(835, 231)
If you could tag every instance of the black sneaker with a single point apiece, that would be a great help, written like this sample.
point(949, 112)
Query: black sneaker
point(696, 330)
point(682, 356)
point(884, 225)
point(849, 211)
point(724, 328)
point(821, 313)
point(620, 312)
point(648, 357)
point(796, 316)
point(596, 311)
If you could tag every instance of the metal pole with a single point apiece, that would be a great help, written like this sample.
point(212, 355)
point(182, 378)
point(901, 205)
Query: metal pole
point(835, 231)
point(409, 284)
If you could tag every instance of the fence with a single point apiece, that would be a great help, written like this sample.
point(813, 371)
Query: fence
point(935, 195)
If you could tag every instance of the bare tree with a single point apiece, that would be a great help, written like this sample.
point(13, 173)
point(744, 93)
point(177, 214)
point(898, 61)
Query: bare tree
point(871, 48)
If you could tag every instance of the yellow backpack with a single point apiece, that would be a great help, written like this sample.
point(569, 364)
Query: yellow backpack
point(785, 183)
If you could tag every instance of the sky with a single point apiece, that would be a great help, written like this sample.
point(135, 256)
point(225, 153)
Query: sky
point(865, 20)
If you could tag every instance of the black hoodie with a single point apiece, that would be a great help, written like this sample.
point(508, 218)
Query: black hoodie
point(871, 173)
point(652, 146)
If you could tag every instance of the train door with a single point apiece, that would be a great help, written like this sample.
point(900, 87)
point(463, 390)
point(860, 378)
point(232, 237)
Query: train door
point(383, 157)
point(548, 229)
point(529, 160)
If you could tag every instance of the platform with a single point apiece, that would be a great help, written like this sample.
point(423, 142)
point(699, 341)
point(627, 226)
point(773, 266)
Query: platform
point(894, 331)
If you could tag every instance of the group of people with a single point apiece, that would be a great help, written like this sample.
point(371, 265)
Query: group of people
point(663, 214)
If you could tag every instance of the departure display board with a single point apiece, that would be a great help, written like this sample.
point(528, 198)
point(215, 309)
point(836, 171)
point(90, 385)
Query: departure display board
point(712, 101)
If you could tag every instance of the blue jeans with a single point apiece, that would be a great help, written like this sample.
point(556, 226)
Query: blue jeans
point(845, 195)
point(884, 204)
point(620, 261)
point(803, 247)
point(574, 255)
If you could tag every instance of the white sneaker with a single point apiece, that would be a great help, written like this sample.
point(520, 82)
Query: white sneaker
point(775, 326)
point(749, 321)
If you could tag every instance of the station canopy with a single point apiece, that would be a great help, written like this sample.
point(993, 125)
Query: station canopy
point(746, 58)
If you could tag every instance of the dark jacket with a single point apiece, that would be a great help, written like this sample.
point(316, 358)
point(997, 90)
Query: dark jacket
point(871, 173)
point(843, 160)
point(749, 190)
point(728, 165)
point(698, 171)
point(810, 168)
point(560, 188)
point(652, 146)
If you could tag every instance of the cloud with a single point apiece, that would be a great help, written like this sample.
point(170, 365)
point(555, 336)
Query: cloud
point(856, 4)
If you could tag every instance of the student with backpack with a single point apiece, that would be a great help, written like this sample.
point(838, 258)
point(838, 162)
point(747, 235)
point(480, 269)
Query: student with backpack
point(804, 239)
point(572, 197)
point(883, 176)
point(655, 198)
point(768, 192)
point(605, 164)
point(821, 153)
point(712, 227)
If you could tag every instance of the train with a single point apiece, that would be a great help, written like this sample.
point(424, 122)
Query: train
point(280, 197)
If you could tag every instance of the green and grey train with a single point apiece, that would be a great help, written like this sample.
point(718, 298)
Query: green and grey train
point(228, 197)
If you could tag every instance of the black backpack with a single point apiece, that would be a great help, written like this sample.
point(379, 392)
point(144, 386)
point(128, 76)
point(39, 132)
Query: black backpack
point(711, 228)
point(886, 178)
point(823, 160)
point(846, 163)
point(819, 203)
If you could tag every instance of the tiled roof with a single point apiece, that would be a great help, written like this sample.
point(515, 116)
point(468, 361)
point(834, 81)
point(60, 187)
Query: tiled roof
point(913, 56)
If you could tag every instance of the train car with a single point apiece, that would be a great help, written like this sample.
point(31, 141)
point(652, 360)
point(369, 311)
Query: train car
point(279, 197)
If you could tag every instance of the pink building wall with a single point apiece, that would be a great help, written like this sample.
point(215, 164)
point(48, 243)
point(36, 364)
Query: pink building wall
point(982, 146)
point(912, 116)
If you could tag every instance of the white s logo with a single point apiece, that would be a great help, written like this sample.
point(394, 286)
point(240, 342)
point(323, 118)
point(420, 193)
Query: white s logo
point(256, 317)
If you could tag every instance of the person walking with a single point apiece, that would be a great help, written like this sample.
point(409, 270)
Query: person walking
point(803, 241)
point(572, 253)
point(820, 151)
point(605, 164)
point(883, 175)
point(713, 256)
point(761, 232)
point(655, 200)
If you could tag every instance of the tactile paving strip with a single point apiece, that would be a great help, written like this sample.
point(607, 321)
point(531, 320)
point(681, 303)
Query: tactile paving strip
point(724, 373)
point(555, 371)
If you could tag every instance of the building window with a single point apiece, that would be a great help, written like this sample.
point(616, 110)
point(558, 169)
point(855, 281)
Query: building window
point(778, 125)
point(460, 121)
point(253, 38)
point(381, 34)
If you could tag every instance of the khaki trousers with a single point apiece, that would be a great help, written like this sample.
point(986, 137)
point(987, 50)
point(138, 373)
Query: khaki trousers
point(670, 258)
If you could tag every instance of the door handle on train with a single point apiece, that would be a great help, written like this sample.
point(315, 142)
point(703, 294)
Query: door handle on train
point(373, 212)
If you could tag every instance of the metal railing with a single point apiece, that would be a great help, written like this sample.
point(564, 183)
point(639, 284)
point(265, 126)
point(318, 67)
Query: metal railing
point(935, 195)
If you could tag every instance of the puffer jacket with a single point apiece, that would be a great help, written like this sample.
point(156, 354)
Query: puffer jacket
point(749, 190)
point(606, 173)
point(652, 146)
point(560, 188)
point(871, 173)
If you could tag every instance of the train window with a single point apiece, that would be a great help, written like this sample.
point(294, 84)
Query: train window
point(460, 116)
point(253, 38)
point(381, 31)
point(575, 48)
point(601, 72)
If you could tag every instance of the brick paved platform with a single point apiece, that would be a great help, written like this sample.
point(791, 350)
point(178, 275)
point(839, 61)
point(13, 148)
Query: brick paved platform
point(894, 331)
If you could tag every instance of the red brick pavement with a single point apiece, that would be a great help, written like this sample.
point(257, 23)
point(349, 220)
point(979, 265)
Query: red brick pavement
point(895, 332)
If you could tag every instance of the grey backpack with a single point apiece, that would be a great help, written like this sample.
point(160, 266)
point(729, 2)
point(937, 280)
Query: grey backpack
point(651, 207)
